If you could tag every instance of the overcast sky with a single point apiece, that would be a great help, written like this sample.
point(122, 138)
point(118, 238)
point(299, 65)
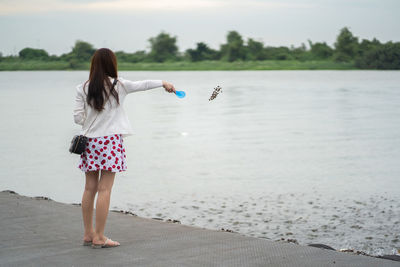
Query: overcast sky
point(55, 25)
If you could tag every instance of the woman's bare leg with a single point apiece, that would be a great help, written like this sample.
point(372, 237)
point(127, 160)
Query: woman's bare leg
point(87, 203)
point(103, 203)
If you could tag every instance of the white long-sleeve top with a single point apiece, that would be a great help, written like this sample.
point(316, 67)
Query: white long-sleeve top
point(111, 120)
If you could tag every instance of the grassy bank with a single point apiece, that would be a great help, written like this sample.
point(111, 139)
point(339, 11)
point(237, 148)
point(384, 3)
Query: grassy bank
point(184, 65)
point(33, 65)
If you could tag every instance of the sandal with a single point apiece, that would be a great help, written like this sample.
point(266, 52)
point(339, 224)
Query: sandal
point(105, 245)
point(87, 243)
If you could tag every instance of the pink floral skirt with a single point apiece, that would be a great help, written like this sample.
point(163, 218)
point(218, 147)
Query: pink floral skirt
point(104, 153)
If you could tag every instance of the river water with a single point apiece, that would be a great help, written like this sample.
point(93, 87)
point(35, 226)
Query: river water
point(306, 155)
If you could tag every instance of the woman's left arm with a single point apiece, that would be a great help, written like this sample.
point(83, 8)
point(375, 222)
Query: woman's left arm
point(79, 109)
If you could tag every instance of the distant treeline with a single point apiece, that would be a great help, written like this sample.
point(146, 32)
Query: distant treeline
point(364, 54)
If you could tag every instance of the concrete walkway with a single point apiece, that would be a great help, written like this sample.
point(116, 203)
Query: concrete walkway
point(40, 232)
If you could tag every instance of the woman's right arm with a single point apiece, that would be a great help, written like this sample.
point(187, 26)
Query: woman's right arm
point(136, 86)
point(169, 87)
point(79, 109)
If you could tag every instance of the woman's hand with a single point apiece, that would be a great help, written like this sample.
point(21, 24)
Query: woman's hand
point(169, 87)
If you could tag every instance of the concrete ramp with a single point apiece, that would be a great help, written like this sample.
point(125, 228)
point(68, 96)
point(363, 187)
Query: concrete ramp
point(42, 232)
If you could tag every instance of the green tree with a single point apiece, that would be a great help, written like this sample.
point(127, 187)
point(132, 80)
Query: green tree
point(320, 50)
point(163, 48)
point(255, 50)
point(346, 46)
point(386, 56)
point(299, 53)
point(367, 45)
point(277, 53)
point(234, 49)
point(32, 54)
point(202, 52)
point(138, 56)
point(54, 58)
point(82, 51)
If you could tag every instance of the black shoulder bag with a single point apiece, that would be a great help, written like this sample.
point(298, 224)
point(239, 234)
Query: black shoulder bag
point(78, 142)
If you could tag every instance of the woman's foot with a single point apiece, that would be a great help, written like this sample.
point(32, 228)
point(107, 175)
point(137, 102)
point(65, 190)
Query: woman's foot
point(104, 242)
point(88, 237)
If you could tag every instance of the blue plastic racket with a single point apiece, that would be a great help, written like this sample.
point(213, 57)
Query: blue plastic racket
point(180, 94)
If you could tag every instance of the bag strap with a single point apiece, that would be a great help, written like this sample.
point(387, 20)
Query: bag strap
point(112, 87)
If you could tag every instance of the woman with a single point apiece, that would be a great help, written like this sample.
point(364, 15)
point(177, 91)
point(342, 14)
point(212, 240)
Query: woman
point(98, 108)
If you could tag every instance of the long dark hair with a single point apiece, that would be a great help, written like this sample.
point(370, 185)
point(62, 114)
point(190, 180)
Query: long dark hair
point(103, 64)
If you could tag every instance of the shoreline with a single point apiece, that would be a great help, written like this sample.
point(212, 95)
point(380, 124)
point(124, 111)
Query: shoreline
point(177, 222)
point(186, 65)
